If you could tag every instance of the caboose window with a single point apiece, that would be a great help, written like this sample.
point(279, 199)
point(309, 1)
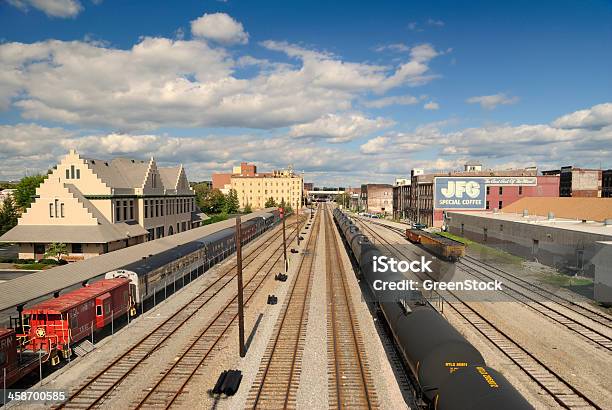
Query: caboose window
point(99, 310)
point(2, 358)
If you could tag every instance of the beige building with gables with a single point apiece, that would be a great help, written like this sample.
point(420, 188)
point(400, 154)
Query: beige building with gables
point(98, 206)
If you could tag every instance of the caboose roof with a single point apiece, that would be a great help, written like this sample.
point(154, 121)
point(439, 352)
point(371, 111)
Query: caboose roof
point(76, 297)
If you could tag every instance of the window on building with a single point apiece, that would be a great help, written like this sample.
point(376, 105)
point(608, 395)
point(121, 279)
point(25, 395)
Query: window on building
point(161, 206)
point(125, 211)
point(51, 210)
point(488, 190)
point(150, 235)
point(131, 209)
point(462, 229)
point(520, 190)
point(78, 174)
point(71, 171)
point(488, 205)
point(118, 211)
point(67, 174)
point(499, 205)
point(62, 210)
point(501, 227)
point(56, 207)
point(501, 190)
point(146, 208)
point(77, 248)
point(485, 233)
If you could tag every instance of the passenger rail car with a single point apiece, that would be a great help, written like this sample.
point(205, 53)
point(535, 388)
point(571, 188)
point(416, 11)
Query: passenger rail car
point(449, 372)
point(439, 245)
point(191, 259)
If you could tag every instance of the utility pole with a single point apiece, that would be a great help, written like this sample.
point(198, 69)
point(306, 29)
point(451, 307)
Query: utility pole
point(240, 288)
point(297, 229)
point(282, 215)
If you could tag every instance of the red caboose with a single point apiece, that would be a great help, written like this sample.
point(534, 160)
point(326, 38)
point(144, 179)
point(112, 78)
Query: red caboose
point(13, 363)
point(56, 324)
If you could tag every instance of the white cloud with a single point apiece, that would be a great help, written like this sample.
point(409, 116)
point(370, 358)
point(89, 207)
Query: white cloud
point(396, 47)
point(340, 128)
point(545, 145)
point(162, 82)
point(219, 27)
point(52, 8)
point(595, 117)
point(431, 105)
point(395, 100)
point(437, 23)
point(489, 102)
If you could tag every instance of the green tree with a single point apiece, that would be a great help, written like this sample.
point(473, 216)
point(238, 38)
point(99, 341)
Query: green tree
point(247, 209)
point(8, 215)
point(26, 189)
point(231, 202)
point(271, 203)
point(202, 190)
point(213, 202)
point(56, 250)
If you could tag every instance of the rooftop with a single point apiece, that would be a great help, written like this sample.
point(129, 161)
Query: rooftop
point(558, 223)
point(590, 209)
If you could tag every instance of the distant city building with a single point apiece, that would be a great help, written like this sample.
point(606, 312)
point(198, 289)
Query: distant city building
point(97, 206)
point(5, 194)
point(580, 182)
point(606, 183)
point(415, 201)
point(223, 181)
point(377, 198)
point(472, 166)
point(255, 189)
point(308, 186)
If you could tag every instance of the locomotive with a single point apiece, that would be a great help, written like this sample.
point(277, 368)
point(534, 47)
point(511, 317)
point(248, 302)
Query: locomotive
point(450, 373)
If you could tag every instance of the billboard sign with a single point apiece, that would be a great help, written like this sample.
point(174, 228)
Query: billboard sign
point(460, 193)
point(511, 181)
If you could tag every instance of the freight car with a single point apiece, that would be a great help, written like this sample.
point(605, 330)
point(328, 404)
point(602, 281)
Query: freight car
point(441, 246)
point(55, 325)
point(191, 259)
point(449, 372)
point(14, 364)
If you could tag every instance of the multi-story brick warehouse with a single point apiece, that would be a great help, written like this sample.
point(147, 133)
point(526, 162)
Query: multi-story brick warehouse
point(377, 197)
point(606, 183)
point(415, 201)
point(97, 206)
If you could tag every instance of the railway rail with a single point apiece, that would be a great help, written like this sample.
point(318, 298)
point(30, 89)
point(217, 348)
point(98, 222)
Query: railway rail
point(555, 385)
point(584, 310)
point(276, 383)
point(350, 381)
point(98, 387)
point(556, 315)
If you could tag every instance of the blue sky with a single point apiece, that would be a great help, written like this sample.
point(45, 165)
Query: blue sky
point(349, 92)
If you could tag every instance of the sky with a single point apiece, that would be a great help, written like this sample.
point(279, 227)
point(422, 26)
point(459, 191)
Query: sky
point(346, 92)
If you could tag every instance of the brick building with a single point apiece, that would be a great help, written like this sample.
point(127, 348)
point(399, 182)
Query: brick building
point(580, 182)
point(223, 181)
point(415, 201)
point(377, 198)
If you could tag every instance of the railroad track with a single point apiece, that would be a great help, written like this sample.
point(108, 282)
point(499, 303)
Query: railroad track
point(99, 386)
point(591, 313)
point(349, 379)
point(277, 380)
point(175, 378)
point(528, 294)
point(588, 332)
point(557, 387)
point(583, 310)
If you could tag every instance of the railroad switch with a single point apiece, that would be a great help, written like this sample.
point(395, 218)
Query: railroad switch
point(227, 383)
point(272, 300)
point(281, 277)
